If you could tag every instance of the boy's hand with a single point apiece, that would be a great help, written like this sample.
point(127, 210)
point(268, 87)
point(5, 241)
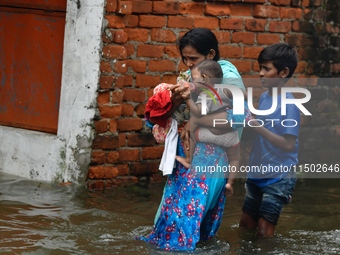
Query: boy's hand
point(229, 190)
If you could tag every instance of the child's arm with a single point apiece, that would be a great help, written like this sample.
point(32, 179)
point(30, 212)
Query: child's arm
point(233, 154)
point(285, 142)
point(194, 108)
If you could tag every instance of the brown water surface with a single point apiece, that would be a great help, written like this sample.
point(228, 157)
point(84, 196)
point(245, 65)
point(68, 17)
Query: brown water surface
point(39, 218)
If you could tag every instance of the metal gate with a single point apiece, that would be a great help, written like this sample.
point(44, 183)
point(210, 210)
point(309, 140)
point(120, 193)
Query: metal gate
point(31, 50)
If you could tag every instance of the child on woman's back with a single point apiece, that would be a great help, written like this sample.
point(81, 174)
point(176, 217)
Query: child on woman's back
point(204, 76)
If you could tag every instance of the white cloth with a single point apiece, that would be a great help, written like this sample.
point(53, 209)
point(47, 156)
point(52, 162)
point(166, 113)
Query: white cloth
point(170, 147)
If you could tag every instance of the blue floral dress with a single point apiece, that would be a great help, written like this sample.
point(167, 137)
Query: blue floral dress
point(193, 201)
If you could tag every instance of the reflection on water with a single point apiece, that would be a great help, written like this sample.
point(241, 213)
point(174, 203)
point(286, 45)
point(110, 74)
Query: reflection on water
point(39, 218)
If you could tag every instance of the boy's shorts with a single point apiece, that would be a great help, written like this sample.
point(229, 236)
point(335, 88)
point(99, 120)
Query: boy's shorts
point(267, 202)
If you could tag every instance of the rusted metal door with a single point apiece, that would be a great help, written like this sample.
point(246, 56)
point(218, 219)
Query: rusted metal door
point(31, 50)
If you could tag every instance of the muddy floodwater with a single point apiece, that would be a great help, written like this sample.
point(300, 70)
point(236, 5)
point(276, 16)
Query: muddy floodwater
point(39, 218)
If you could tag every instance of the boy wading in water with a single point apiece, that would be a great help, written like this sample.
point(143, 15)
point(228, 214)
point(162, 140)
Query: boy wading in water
point(275, 146)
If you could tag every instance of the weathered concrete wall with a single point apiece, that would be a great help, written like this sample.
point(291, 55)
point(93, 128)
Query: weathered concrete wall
point(139, 51)
point(65, 156)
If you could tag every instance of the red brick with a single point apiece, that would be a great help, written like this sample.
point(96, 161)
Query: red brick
point(105, 142)
point(206, 22)
point(124, 81)
point(182, 67)
point(169, 78)
point(254, 1)
point(332, 28)
point(279, 27)
point(134, 95)
point(266, 11)
point(152, 152)
point(147, 81)
point(181, 22)
point(127, 110)
point(140, 35)
point(301, 67)
point(232, 23)
point(172, 51)
point(103, 98)
point(124, 7)
point(141, 6)
point(120, 66)
point(149, 93)
point(107, 36)
point(106, 82)
point(165, 7)
point(120, 36)
point(122, 139)
point(251, 52)
point(152, 51)
point(268, 38)
point(95, 185)
point(162, 66)
point(136, 140)
point(129, 155)
point(242, 65)
point(244, 37)
point(111, 157)
point(144, 167)
point(230, 52)
point(217, 9)
point(117, 96)
point(241, 10)
point(110, 111)
point(105, 67)
point(297, 40)
point(100, 126)
point(257, 25)
point(335, 68)
point(191, 8)
point(130, 20)
point(151, 21)
point(123, 180)
point(113, 126)
point(123, 169)
point(130, 124)
point(130, 49)
point(97, 157)
point(290, 13)
point(140, 110)
point(280, 2)
point(156, 178)
point(111, 5)
point(102, 172)
point(114, 21)
point(114, 52)
point(161, 35)
point(222, 36)
point(138, 66)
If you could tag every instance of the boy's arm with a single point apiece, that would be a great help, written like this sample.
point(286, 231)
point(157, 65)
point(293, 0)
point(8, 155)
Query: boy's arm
point(285, 142)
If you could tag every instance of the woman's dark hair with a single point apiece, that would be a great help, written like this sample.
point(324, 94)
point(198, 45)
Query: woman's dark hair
point(281, 55)
point(202, 39)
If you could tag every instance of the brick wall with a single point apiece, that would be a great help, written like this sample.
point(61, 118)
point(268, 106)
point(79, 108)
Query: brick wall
point(139, 51)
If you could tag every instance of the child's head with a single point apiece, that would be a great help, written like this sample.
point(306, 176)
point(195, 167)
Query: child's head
point(281, 55)
point(208, 71)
